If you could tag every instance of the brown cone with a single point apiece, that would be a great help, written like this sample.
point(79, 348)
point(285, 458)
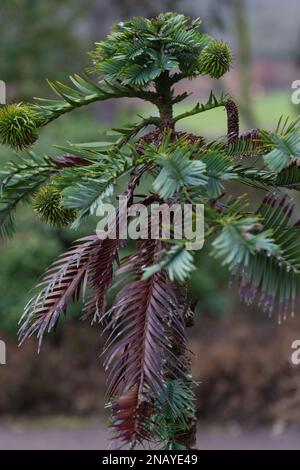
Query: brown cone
point(233, 126)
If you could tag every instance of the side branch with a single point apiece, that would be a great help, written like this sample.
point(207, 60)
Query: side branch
point(81, 94)
point(212, 103)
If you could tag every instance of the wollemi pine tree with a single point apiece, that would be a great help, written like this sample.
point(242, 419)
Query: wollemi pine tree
point(150, 387)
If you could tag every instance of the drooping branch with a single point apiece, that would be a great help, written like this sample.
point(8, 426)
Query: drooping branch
point(61, 282)
point(139, 343)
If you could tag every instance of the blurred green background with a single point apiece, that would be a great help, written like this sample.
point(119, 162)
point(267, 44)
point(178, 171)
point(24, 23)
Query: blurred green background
point(42, 40)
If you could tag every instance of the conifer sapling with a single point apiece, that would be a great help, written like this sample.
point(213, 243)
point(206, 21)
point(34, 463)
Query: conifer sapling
point(150, 388)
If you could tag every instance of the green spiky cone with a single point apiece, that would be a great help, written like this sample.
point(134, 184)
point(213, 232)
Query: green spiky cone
point(18, 126)
point(47, 204)
point(215, 59)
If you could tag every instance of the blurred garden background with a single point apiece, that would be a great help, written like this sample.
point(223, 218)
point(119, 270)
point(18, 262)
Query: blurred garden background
point(249, 392)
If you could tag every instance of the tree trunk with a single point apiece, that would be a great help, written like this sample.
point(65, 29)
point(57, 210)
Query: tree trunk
point(244, 58)
point(188, 439)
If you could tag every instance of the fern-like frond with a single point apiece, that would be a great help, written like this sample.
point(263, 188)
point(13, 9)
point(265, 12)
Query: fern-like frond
point(289, 177)
point(282, 149)
point(100, 276)
point(240, 238)
point(32, 165)
point(18, 182)
point(131, 418)
point(177, 261)
point(141, 321)
point(90, 261)
point(101, 261)
point(84, 188)
point(242, 148)
point(138, 51)
point(178, 171)
point(219, 168)
point(61, 282)
point(273, 278)
point(86, 196)
point(263, 253)
point(255, 177)
point(173, 411)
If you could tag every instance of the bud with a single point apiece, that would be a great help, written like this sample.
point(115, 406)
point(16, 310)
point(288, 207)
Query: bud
point(215, 59)
point(18, 126)
point(47, 204)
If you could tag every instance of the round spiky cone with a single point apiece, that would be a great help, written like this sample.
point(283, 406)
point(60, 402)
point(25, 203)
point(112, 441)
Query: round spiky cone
point(18, 126)
point(215, 59)
point(47, 204)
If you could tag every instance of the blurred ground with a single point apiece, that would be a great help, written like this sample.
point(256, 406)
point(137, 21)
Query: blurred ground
point(95, 437)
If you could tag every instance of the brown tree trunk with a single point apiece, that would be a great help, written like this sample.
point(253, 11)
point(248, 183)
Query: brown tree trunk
point(188, 438)
point(244, 59)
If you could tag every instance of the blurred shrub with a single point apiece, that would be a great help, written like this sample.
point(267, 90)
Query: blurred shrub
point(39, 39)
point(209, 285)
point(245, 372)
point(64, 379)
point(22, 261)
